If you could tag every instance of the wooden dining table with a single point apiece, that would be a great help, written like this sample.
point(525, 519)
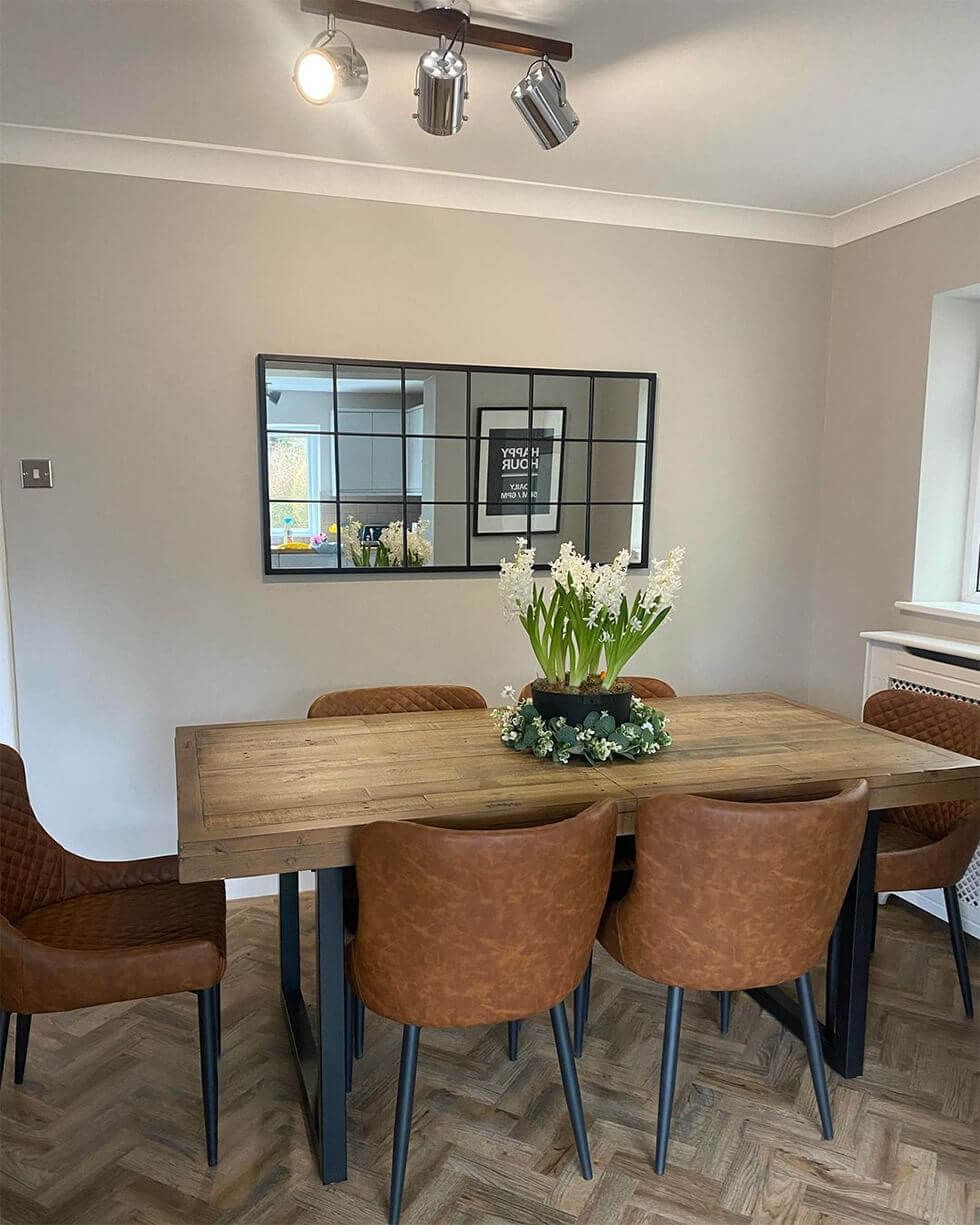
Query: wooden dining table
point(280, 797)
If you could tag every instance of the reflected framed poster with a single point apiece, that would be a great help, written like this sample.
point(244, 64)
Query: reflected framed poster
point(518, 469)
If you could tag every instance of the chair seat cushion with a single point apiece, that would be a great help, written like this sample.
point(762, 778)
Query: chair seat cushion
point(908, 859)
point(123, 945)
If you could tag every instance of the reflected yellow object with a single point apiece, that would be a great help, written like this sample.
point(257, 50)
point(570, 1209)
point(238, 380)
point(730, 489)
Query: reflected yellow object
point(297, 546)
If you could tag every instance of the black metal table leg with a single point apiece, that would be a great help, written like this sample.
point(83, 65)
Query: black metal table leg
point(289, 953)
point(332, 1120)
point(843, 1033)
point(319, 1056)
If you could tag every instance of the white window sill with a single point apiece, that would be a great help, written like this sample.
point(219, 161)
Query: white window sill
point(945, 610)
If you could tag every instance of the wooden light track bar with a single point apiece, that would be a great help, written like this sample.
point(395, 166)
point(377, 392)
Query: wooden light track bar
point(434, 22)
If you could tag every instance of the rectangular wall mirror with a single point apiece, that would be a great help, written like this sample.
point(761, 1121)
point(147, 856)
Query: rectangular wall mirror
point(378, 468)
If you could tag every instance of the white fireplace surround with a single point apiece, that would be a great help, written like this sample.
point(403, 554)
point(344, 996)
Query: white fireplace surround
point(893, 660)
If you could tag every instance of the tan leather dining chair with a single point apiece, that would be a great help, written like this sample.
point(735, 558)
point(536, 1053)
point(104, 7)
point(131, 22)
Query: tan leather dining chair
point(647, 689)
point(729, 896)
point(395, 700)
point(475, 927)
point(384, 700)
point(930, 846)
point(77, 932)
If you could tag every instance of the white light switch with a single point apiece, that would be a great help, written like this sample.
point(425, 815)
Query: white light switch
point(35, 473)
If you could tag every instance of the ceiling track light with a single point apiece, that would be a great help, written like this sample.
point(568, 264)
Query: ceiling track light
point(540, 97)
point(441, 84)
point(328, 73)
point(325, 72)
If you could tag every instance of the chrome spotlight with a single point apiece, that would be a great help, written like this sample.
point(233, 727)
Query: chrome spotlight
point(327, 73)
point(440, 86)
point(541, 99)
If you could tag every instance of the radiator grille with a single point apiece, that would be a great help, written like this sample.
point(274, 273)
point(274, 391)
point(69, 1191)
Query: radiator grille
point(895, 682)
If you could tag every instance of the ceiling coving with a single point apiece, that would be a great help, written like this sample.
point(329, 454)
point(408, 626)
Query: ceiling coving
point(331, 69)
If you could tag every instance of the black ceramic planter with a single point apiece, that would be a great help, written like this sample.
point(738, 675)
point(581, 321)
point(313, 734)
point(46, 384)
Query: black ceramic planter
point(574, 707)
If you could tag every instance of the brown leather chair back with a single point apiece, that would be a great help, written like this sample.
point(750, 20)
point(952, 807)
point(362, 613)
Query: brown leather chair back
point(395, 700)
point(728, 896)
point(32, 864)
point(646, 688)
point(470, 927)
point(947, 722)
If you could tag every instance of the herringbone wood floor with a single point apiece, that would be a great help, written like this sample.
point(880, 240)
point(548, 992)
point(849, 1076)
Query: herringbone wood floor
point(107, 1126)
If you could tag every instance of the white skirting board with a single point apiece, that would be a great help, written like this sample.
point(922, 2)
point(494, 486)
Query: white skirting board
point(262, 886)
point(891, 664)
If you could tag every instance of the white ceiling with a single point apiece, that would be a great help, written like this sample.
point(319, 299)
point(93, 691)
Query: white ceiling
point(813, 107)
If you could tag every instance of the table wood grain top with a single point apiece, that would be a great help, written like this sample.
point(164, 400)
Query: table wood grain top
point(256, 798)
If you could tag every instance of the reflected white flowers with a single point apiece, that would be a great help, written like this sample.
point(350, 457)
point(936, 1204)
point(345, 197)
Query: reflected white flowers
point(393, 539)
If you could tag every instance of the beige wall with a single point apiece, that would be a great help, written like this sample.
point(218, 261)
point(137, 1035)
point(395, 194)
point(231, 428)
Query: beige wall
point(881, 311)
point(132, 313)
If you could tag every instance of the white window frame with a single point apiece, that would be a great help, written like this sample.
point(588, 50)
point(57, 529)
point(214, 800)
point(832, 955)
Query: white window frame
point(971, 555)
point(312, 483)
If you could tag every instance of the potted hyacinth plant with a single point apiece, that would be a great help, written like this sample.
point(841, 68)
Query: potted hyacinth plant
point(586, 628)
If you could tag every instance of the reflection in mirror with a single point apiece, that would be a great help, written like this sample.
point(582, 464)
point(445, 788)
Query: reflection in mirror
point(395, 448)
point(436, 401)
point(299, 397)
point(446, 528)
point(620, 407)
point(370, 533)
point(437, 468)
point(613, 528)
point(565, 391)
point(571, 526)
point(618, 471)
point(302, 534)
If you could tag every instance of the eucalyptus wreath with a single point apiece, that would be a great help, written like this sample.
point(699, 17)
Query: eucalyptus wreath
point(596, 739)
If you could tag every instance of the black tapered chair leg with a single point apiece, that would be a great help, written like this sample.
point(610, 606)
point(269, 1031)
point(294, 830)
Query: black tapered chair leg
point(349, 1021)
point(207, 1032)
point(358, 1027)
point(217, 1013)
point(588, 988)
point(513, 1039)
point(814, 1053)
point(403, 1119)
point(4, 1031)
point(21, 1039)
point(874, 924)
point(569, 1080)
point(725, 1014)
point(668, 1073)
point(580, 1013)
point(958, 941)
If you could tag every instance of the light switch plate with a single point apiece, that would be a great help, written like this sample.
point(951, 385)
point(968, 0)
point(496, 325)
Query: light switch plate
point(35, 473)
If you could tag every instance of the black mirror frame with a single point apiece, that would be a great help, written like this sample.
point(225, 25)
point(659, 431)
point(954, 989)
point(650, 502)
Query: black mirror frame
point(335, 568)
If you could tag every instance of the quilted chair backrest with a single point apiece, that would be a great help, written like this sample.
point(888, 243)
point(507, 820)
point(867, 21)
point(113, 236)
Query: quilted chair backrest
point(32, 864)
point(395, 700)
point(949, 723)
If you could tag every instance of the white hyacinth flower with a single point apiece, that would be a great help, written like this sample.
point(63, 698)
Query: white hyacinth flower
point(665, 579)
point(516, 583)
point(573, 571)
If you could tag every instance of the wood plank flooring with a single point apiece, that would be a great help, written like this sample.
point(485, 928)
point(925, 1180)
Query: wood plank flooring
point(107, 1126)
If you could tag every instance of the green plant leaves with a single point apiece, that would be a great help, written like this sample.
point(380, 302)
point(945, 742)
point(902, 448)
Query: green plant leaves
point(597, 739)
